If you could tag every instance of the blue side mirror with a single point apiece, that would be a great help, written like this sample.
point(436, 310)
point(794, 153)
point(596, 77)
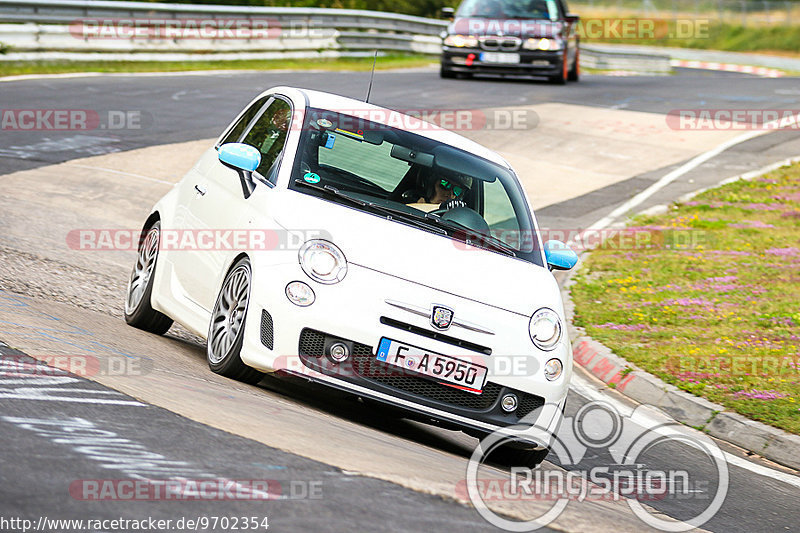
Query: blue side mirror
point(559, 256)
point(240, 156)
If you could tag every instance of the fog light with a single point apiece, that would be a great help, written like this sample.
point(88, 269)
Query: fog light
point(509, 403)
point(300, 294)
point(338, 352)
point(552, 369)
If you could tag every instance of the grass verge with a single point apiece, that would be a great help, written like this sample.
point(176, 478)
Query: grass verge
point(715, 36)
point(13, 68)
point(707, 296)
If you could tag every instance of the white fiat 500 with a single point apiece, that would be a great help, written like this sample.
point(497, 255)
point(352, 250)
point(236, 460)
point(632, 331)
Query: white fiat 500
point(368, 251)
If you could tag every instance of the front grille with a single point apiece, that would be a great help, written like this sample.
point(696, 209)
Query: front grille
point(267, 330)
point(505, 44)
point(435, 335)
point(312, 343)
point(364, 366)
point(395, 378)
point(527, 403)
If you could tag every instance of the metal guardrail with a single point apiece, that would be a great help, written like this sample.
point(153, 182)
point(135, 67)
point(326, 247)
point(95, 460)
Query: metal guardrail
point(56, 26)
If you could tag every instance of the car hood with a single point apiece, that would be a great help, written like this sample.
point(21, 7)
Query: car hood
point(522, 28)
point(413, 254)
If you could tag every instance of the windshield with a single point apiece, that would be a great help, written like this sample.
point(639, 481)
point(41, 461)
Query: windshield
point(509, 9)
point(414, 180)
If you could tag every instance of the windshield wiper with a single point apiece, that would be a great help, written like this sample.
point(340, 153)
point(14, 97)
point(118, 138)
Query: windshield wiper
point(425, 222)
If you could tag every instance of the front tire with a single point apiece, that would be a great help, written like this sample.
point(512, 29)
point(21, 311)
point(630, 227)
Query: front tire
point(138, 311)
point(561, 77)
point(575, 71)
point(226, 330)
point(446, 73)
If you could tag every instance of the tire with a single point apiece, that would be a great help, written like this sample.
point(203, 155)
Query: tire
point(509, 455)
point(560, 78)
point(446, 73)
point(575, 72)
point(138, 312)
point(226, 328)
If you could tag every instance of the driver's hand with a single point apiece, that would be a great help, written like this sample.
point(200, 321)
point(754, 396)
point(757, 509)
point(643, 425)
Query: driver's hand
point(453, 202)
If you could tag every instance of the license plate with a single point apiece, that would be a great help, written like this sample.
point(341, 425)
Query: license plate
point(499, 57)
point(448, 370)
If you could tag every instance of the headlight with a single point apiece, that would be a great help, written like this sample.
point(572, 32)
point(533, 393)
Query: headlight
point(542, 44)
point(461, 41)
point(322, 261)
point(545, 328)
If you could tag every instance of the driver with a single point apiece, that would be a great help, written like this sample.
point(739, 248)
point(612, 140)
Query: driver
point(447, 192)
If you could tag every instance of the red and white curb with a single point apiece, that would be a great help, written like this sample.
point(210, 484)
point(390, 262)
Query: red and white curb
point(764, 72)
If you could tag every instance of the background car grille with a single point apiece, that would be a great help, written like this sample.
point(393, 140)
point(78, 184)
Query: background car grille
point(503, 44)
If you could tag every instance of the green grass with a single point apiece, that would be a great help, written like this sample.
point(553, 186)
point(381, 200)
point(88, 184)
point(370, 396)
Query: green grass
point(710, 298)
point(9, 68)
point(715, 36)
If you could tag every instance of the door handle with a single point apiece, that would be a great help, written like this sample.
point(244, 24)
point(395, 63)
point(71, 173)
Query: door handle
point(200, 189)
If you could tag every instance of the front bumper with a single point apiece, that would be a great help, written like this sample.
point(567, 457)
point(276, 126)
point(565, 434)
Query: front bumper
point(280, 336)
point(532, 62)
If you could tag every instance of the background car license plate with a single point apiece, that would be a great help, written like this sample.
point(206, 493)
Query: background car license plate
point(499, 57)
point(468, 376)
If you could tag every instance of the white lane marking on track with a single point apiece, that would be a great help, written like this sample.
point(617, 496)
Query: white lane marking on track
point(582, 387)
point(112, 171)
point(687, 167)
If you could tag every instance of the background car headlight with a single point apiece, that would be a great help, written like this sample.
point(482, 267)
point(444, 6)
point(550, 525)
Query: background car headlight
point(542, 44)
point(461, 41)
point(545, 328)
point(322, 261)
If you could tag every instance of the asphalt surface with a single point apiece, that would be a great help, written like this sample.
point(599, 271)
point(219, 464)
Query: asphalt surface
point(182, 108)
point(173, 109)
point(77, 432)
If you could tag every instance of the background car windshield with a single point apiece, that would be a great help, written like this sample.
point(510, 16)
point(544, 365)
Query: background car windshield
point(395, 169)
point(509, 9)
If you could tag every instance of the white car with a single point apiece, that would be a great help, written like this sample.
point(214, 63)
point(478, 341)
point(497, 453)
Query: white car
point(369, 251)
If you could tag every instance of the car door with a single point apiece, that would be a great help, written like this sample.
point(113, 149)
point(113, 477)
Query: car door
point(218, 211)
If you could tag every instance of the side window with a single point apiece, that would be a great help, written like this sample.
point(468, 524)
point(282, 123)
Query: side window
point(268, 135)
point(238, 129)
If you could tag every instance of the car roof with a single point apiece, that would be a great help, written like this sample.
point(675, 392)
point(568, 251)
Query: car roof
point(389, 117)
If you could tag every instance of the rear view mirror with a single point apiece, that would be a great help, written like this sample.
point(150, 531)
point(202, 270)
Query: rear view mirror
point(448, 12)
point(559, 256)
point(244, 159)
point(412, 156)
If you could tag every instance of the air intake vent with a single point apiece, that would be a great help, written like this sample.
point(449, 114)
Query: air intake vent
point(267, 330)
